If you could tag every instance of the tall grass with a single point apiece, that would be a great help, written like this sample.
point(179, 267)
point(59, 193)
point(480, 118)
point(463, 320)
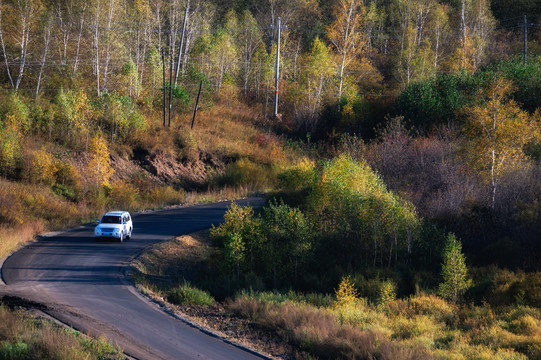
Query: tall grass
point(23, 337)
point(13, 237)
point(421, 327)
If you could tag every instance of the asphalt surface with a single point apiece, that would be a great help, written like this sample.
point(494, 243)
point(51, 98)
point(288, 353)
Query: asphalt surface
point(82, 283)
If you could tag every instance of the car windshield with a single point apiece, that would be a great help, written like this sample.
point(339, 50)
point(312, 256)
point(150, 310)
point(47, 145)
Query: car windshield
point(109, 219)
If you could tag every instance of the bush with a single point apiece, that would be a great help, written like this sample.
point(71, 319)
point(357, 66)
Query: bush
point(432, 306)
point(15, 110)
point(186, 294)
point(525, 325)
point(528, 290)
point(297, 177)
point(435, 101)
point(123, 195)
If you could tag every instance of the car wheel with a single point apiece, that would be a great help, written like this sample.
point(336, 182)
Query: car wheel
point(128, 236)
point(121, 239)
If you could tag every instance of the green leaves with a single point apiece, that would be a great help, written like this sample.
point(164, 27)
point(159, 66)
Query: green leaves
point(351, 200)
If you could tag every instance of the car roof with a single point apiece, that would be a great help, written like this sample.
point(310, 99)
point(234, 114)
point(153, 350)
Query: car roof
point(116, 213)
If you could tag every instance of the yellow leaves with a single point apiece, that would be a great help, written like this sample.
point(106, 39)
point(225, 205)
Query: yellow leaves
point(43, 167)
point(237, 213)
point(464, 56)
point(346, 294)
point(498, 128)
point(344, 31)
point(83, 111)
point(9, 146)
point(99, 166)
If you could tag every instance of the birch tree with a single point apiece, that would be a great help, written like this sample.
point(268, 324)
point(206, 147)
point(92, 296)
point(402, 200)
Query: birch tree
point(315, 78)
point(249, 39)
point(498, 130)
point(21, 16)
point(3, 43)
point(346, 35)
point(46, 42)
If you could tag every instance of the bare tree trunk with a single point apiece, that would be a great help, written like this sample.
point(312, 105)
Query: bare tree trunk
point(26, 15)
point(463, 19)
point(96, 24)
point(108, 48)
point(46, 39)
point(4, 51)
point(437, 48)
point(79, 36)
point(65, 30)
point(342, 66)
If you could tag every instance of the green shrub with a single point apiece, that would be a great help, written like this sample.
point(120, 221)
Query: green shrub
point(15, 110)
point(14, 351)
point(387, 292)
point(186, 294)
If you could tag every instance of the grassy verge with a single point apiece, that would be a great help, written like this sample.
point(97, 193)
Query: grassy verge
point(23, 336)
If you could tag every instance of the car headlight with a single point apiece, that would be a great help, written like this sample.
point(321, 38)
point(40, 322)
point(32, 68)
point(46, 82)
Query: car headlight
point(97, 232)
point(116, 232)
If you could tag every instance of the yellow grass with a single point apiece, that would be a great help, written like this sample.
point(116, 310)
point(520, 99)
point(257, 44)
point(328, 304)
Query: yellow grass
point(13, 237)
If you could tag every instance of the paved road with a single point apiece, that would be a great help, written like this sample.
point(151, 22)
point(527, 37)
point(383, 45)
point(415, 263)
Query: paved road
point(81, 282)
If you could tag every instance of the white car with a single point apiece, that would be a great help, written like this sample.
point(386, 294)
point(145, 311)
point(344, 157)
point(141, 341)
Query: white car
point(114, 224)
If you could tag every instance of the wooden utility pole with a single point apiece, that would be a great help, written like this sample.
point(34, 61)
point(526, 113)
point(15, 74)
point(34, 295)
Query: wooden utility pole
point(196, 103)
point(170, 85)
point(277, 71)
point(163, 66)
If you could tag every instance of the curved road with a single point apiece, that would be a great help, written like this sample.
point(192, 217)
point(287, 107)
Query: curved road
point(81, 282)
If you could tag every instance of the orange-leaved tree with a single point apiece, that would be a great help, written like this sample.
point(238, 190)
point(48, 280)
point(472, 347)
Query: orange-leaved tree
point(498, 130)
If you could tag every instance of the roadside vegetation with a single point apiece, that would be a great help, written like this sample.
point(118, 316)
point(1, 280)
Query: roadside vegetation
point(23, 336)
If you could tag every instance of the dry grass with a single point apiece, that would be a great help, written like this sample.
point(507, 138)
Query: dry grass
point(28, 209)
point(318, 332)
point(419, 327)
point(26, 337)
point(233, 131)
point(220, 194)
point(13, 237)
point(170, 264)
